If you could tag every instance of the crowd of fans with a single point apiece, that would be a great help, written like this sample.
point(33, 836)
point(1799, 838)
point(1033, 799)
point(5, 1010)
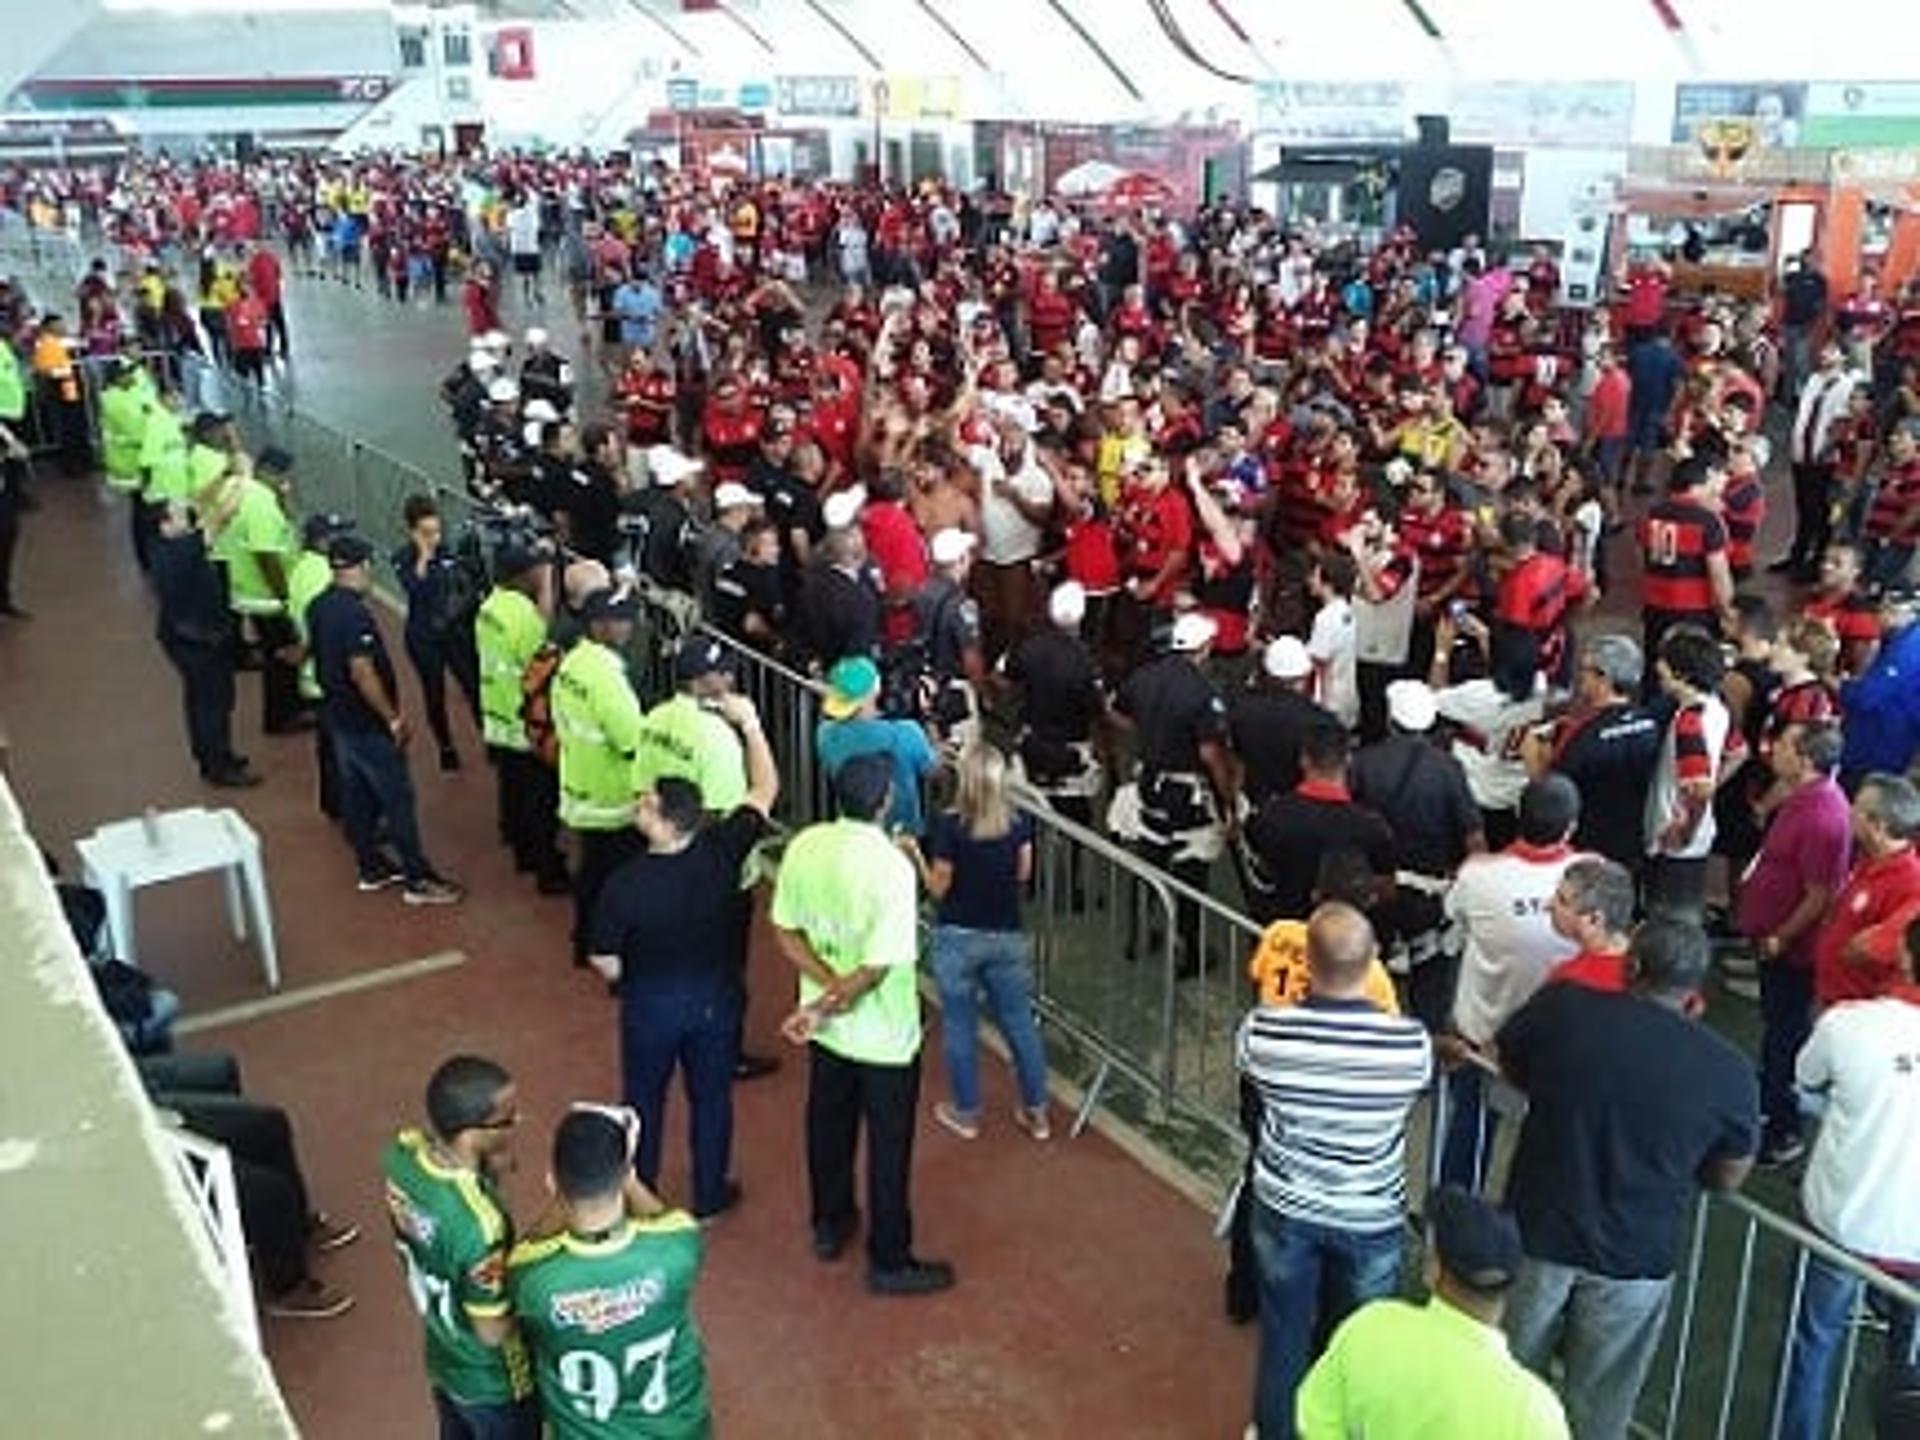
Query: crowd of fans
point(1260, 549)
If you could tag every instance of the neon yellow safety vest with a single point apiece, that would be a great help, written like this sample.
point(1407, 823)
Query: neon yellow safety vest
point(507, 630)
point(123, 430)
point(163, 455)
point(310, 575)
point(597, 718)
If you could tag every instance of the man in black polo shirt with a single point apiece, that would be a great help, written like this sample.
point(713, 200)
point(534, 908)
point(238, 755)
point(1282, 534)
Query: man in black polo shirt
point(361, 711)
point(1435, 824)
point(1631, 1106)
point(1186, 780)
point(1291, 832)
point(1266, 722)
point(1060, 702)
point(839, 603)
point(669, 930)
point(1607, 746)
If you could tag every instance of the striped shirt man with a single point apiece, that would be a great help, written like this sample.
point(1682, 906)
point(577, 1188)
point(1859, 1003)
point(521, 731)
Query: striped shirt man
point(1336, 1080)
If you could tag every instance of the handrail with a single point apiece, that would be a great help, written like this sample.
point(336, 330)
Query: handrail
point(1806, 1238)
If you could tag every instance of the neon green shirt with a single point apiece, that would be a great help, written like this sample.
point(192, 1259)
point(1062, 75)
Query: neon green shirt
point(610, 1322)
point(681, 737)
point(507, 630)
point(854, 896)
point(597, 719)
point(13, 389)
point(453, 1236)
point(204, 466)
point(163, 455)
point(308, 576)
point(123, 432)
point(1394, 1369)
point(258, 527)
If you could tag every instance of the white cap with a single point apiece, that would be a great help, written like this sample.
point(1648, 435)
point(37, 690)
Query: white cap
point(1286, 658)
point(1410, 705)
point(503, 391)
point(950, 545)
point(732, 495)
point(536, 336)
point(479, 359)
point(668, 466)
point(541, 410)
point(1193, 631)
point(496, 340)
point(1067, 605)
point(842, 508)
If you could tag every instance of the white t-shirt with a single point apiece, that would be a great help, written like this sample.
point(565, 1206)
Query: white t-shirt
point(1864, 1175)
point(1491, 755)
point(1332, 645)
point(1006, 536)
point(523, 229)
point(1501, 906)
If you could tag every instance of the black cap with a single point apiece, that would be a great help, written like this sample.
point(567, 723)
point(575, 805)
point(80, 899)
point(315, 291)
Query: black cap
point(699, 655)
point(207, 421)
point(317, 530)
point(861, 784)
point(610, 605)
point(511, 561)
point(346, 551)
point(1479, 1245)
point(274, 459)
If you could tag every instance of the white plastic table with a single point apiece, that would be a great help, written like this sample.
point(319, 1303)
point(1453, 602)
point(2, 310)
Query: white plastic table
point(121, 857)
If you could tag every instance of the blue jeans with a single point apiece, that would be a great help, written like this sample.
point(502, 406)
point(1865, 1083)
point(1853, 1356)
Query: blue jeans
point(1819, 1330)
point(506, 1420)
point(692, 1024)
point(1471, 1128)
point(965, 963)
point(375, 788)
point(1311, 1278)
point(1605, 1330)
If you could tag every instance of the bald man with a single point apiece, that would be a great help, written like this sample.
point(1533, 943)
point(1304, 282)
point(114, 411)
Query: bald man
point(1336, 1079)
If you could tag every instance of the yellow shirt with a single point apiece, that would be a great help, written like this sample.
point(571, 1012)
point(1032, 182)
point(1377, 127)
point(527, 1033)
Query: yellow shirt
point(1278, 969)
point(1116, 453)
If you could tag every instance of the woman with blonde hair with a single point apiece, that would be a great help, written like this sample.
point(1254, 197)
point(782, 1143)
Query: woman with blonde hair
point(977, 861)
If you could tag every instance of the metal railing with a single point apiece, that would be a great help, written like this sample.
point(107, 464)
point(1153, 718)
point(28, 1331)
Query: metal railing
point(1107, 930)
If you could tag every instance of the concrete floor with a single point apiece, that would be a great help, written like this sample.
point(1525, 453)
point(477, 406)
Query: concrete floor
point(1088, 1301)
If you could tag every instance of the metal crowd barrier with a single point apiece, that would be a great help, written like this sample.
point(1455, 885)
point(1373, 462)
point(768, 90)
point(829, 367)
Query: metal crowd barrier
point(1106, 928)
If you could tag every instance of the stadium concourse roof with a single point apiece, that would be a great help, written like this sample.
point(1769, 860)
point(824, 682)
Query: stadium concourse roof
point(1122, 57)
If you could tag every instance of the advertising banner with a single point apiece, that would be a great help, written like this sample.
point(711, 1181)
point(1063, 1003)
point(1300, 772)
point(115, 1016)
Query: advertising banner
point(1311, 111)
point(1774, 111)
point(1594, 115)
point(822, 95)
point(1862, 114)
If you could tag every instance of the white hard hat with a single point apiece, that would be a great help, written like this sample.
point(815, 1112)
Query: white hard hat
point(667, 466)
point(497, 340)
point(732, 495)
point(1286, 658)
point(952, 545)
point(1193, 631)
point(842, 508)
point(503, 391)
point(1067, 606)
point(541, 410)
point(1411, 706)
point(535, 335)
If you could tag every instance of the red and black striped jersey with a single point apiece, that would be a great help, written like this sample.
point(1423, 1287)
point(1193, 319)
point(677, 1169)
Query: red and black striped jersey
point(1743, 505)
point(1805, 702)
point(1443, 541)
point(1677, 538)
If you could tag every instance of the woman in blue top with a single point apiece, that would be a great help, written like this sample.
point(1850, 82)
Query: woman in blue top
point(978, 859)
point(439, 631)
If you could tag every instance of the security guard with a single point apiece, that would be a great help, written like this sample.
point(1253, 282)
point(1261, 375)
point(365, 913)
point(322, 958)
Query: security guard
point(1188, 798)
point(212, 444)
point(163, 463)
point(508, 629)
point(197, 633)
point(254, 539)
point(947, 627)
point(686, 736)
point(1060, 703)
point(597, 719)
point(309, 575)
point(124, 404)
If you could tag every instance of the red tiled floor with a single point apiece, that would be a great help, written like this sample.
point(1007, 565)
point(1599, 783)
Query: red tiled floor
point(1089, 1294)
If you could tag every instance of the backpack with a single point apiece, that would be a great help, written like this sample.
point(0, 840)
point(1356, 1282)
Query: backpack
point(536, 705)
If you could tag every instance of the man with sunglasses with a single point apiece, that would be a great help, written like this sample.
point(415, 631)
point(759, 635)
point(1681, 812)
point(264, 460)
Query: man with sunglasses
point(453, 1233)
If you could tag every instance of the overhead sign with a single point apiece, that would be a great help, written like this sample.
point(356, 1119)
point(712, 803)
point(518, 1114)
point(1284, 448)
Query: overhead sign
point(756, 95)
point(1303, 111)
point(1863, 113)
point(918, 97)
point(826, 95)
point(1595, 115)
point(1775, 111)
point(683, 93)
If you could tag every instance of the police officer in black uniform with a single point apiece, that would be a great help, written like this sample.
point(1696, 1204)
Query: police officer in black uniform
point(196, 630)
point(749, 600)
point(668, 528)
point(947, 628)
point(1188, 798)
point(1060, 702)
